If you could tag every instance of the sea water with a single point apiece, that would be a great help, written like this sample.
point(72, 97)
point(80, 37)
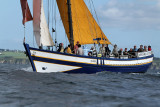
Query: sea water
point(20, 87)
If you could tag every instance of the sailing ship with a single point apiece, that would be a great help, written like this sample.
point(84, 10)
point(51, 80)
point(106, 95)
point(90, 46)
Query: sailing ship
point(79, 25)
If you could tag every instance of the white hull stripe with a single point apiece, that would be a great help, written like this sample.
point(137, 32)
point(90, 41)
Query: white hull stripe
point(89, 61)
point(62, 57)
point(45, 67)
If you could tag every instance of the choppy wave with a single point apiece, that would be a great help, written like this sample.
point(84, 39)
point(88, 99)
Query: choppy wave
point(21, 87)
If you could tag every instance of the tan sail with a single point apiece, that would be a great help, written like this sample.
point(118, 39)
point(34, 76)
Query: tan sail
point(85, 27)
point(41, 30)
point(26, 11)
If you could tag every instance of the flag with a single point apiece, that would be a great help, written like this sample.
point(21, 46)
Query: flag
point(26, 11)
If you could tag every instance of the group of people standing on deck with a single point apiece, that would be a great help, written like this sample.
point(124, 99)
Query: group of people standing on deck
point(131, 52)
point(104, 50)
point(77, 49)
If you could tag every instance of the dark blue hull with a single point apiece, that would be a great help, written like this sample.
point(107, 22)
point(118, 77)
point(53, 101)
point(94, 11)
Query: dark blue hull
point(89, 68)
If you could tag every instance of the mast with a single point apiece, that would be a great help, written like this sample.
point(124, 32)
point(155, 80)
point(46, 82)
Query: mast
point(70, 24)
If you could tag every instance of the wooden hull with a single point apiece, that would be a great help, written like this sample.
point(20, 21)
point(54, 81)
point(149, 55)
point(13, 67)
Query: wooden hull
point(49, 61)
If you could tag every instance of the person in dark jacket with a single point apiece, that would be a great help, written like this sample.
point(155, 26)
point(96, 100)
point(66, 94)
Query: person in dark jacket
point(107, 50)
point(120, 51)
point(61, 48)
point(125, 52)
point(131, 53)
point(141, 48)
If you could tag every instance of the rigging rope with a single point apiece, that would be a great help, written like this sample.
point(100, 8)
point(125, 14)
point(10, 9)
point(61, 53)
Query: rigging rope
point(55, 25)
point(93, 20)
point(98, 20)
point(52, 6)
point(89, 22)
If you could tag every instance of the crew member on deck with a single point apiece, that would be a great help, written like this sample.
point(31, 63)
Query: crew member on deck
point(61, 48)
point(120, 52)
point(115, 51)
point(92, 51)
point(80, 50)
point(76, 47)
point(107, 51)
point(135, 48)
point(125, 52)
point(102, 50)
point(149, 48)
point(145, 49)
point(140, 49)
point(131, 53)
point(69, 49)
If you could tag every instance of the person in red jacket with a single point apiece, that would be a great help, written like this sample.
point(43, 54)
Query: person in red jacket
point(149, 48)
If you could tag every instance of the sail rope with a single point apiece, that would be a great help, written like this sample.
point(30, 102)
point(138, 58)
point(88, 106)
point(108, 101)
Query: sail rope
point(89, 22)
point(97, 20)
point(49, 10)
point(55, 24)
point(52, 11)
point(93, 20)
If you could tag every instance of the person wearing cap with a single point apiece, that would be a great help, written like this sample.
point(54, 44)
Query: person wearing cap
point(76, 47)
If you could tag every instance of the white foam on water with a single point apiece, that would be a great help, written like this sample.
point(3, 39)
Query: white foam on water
point(158, 73)
point(28, 69)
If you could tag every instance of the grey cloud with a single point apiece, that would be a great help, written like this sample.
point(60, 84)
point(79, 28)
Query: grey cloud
point(138, 14)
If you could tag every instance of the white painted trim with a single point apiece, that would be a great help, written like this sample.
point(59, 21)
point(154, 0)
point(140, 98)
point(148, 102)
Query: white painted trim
point(44, 67)
point(90, 61)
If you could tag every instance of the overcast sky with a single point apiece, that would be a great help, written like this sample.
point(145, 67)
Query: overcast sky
point(125, 23)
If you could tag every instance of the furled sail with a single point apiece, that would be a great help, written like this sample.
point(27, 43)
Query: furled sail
point(85, 28)
point(26, 11)
point(41, 30)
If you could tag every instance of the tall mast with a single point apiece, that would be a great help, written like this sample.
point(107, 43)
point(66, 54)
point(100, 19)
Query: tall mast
point(70, 24)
